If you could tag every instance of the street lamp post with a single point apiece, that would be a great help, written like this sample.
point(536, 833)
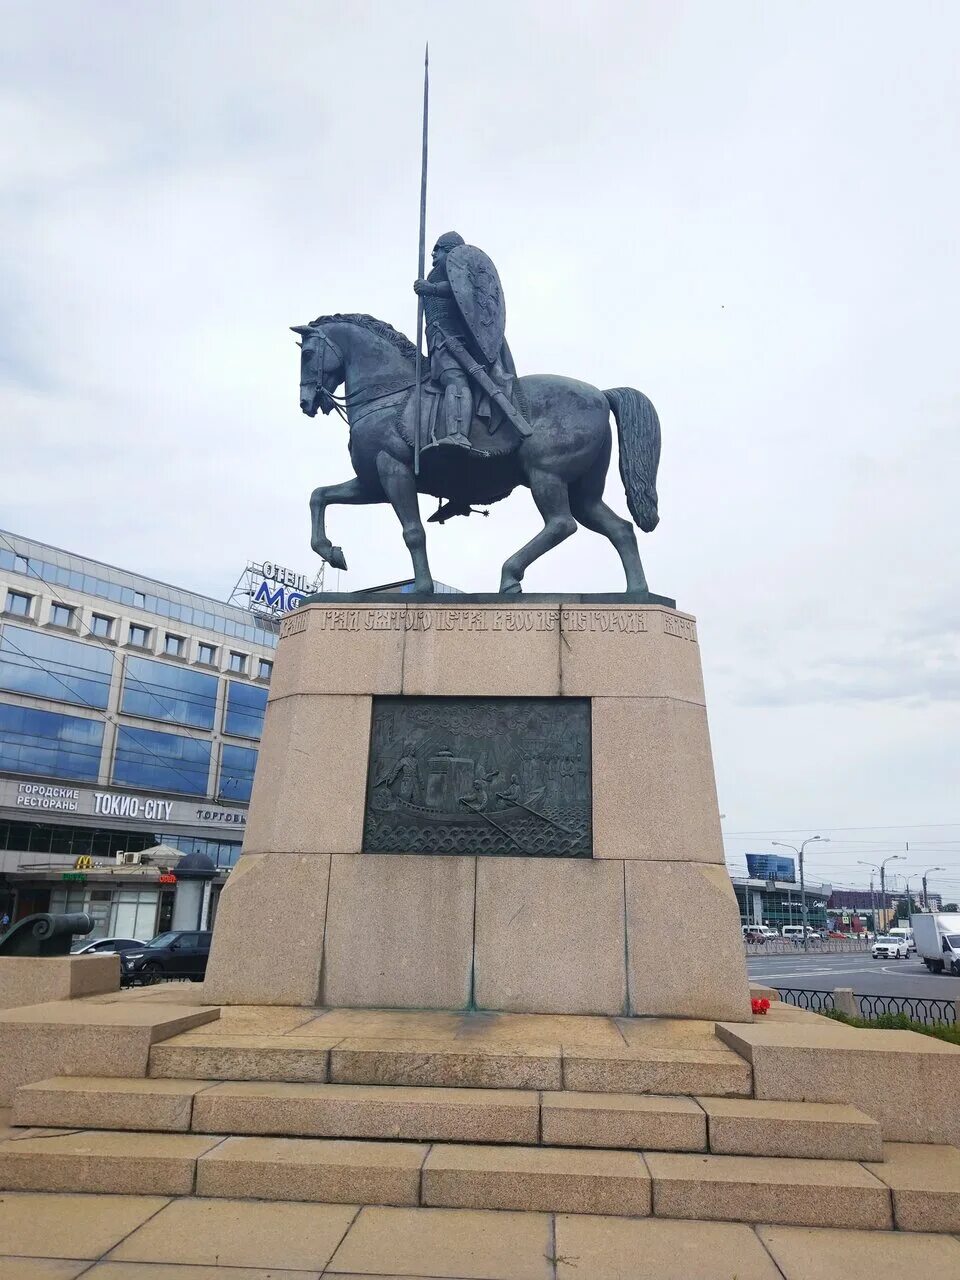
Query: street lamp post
point(881, 867)
point(803, 894)
point(926, 904)
point(906, 885)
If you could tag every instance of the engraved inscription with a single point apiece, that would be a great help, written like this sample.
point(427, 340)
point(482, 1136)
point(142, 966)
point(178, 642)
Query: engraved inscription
point(293, 625)
point(684, 628)
point(486, 620)
point(488, 776)
point(609, 621)
point(614, 621)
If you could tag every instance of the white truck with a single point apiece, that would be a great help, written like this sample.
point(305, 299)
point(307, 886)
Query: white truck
point(937, 938)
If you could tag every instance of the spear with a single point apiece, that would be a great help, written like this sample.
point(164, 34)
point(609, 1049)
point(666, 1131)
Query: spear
point(421, 261)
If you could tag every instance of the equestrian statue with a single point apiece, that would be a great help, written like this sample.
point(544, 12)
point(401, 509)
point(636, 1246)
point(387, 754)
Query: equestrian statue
point(469, 431)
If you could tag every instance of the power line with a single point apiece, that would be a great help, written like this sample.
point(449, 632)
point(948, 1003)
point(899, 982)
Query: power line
point(815, 826)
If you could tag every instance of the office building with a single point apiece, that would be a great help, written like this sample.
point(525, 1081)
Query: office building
point(130, 716)
point(771, 866)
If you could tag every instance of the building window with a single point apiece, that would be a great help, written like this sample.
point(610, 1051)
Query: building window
point(207, 654)
point(161, 761)
point(102, 626)
point(246, 704)
point(139, 600)
point(265, 669)
point(49, 666)
point(159, 691)
point(238, 662)
point(62, 615)
point(19, 604)
point(236, 772)
point(173, 646)
point(139, 636)
point(48, 744)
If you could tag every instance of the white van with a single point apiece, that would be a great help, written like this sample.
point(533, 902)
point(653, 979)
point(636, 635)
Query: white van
point(906, 934)
point(795, 932)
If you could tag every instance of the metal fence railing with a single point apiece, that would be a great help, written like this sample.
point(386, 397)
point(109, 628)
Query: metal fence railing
point(816, 1001)
point(822, 946)
point(918, 1008)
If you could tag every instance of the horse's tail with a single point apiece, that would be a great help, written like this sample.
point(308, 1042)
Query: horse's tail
point(639, 431)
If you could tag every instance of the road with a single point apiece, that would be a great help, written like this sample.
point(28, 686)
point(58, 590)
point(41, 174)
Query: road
point(866, 975)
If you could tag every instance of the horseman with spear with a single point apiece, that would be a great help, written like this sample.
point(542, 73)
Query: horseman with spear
point(462, 301)
point(483, 429)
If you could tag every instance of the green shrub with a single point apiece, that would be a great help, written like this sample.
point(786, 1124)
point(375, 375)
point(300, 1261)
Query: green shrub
point(949, 1031)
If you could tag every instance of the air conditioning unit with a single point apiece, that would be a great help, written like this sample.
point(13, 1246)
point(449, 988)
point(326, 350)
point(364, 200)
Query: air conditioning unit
point(129, 859)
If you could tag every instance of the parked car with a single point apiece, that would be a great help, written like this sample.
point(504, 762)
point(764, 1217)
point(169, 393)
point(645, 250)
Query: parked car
point(752, 934)
point(181, 953)
point(889, 948)
point(104, 946)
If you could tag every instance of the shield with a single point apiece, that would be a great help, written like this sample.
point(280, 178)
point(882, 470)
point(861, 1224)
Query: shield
point(477, 292)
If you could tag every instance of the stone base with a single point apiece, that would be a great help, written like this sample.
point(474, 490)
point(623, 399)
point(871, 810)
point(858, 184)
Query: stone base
point(905, 1080)
point(526, 935)
point(308, 917)
point(36, 979)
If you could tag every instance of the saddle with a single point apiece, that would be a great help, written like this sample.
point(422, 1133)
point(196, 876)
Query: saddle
point(491, 435)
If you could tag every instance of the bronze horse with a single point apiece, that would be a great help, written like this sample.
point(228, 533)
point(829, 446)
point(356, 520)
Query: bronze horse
point(563, 463)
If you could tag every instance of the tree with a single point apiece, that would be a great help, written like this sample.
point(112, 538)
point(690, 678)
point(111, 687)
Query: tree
point(951, 906)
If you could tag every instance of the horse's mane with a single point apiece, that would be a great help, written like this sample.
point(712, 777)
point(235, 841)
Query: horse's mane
point(387, 331)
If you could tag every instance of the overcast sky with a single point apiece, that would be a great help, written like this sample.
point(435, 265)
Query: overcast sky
point(747, 210)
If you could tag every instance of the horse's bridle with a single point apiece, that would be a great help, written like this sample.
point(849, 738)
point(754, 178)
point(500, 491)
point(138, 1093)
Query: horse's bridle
point(338, 402)
point(344, 403)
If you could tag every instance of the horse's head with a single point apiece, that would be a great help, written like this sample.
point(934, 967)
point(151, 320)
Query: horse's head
point(322, 369)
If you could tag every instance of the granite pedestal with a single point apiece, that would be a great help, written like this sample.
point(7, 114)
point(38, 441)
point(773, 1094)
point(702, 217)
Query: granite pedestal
point(311, 915)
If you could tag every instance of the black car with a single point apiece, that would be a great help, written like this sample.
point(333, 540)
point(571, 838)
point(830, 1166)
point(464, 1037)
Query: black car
point(181, 953)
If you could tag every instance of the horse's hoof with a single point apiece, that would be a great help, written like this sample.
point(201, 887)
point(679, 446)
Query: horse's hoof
point(336, 559)
point(511, 589)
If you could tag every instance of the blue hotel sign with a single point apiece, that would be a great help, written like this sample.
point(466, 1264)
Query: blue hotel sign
point(280, 589)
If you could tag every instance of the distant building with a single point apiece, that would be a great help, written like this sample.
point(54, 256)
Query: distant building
point(130, 719)
point(781, 904)
point(771, 866)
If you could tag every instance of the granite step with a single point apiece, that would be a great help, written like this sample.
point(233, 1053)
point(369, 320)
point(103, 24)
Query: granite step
point(812, 1130)
point(620, 1183)
point(561, 1118)
point(783, 1191)
point(455, 1063)
point(107, 1102)
point(94, 1160)
point(369, 1111)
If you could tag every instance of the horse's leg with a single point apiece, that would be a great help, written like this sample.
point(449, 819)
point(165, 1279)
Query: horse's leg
point(553, 502)
point(350, 492)
point(401, 489)
point(588, 506)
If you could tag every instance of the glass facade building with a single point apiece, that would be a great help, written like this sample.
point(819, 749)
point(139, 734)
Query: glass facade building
point(49, 744)
point(771, 866)
point(161, 691)
point(130, 718)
